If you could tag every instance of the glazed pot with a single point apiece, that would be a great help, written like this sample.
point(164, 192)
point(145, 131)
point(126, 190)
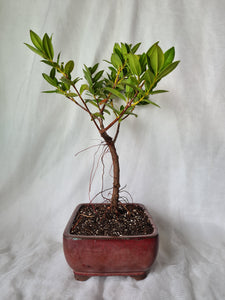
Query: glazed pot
point(109, 255)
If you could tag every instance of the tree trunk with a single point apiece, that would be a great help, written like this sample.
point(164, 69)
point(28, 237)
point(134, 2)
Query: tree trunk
point(116, 169)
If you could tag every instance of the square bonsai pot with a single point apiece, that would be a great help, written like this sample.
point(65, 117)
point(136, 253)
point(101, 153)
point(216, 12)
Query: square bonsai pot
point(110, 255)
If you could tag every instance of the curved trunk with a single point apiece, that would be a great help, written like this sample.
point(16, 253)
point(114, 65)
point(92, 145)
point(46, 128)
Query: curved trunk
point(116, 169)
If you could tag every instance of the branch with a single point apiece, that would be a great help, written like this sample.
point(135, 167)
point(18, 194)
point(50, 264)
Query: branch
point(86, 107)
point(121, 114)
point(72, 99)
point(117, 132)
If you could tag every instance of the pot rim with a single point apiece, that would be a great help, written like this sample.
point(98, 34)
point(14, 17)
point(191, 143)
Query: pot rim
point(68, 235)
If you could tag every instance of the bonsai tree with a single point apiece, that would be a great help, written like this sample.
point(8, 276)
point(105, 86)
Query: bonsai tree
point(130, 81)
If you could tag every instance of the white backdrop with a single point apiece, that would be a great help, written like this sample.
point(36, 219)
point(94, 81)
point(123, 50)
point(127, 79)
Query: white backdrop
point(172, 158)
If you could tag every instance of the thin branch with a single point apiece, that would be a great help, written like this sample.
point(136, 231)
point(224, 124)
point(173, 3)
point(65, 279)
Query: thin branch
point(70, 98)
point(129, 103)
point(117, 132)
point(86, 107)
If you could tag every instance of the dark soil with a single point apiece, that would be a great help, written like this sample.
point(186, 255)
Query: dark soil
point(101, 220)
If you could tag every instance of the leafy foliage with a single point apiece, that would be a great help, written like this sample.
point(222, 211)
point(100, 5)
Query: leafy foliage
point(130, 77)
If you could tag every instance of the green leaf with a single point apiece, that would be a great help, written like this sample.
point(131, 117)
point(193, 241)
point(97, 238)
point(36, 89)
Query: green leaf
point(156, 59)
point(98, 76)
point(69, 67)
point(58, 57)
point(153, 103)
point(116, 93)
point(134, 64)
point(129, 86)
point(94, 68)
point(50, 80)
point(168, 69)
point(59, 91)
point(143, 62)
point(72, 95)
point(118, 52)
point(92, 102)
point(149, 77)
point(147, 101)
point(87, 76)
point(116, 61)
point(169, 56)
point(48, 92)
point(50, 63)
point(129, 111)
point(34, 50)
point(67, 81)
point(113, 109)
point(36, 40)
point(47, 45)
point(83, 88)
point(135, 47)
point(158, 92)
point(123, 49)
point(149, 52)
point(97, 115)
point(52, 73)
point(76, 80)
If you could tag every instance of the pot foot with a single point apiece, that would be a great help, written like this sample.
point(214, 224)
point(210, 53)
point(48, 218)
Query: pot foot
point(140, 277)
point(81, 277)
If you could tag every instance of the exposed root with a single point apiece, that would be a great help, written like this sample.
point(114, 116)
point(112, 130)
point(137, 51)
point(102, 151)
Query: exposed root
point(97, 159)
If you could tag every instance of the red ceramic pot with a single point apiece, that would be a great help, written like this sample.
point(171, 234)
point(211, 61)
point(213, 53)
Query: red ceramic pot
point(109, 255)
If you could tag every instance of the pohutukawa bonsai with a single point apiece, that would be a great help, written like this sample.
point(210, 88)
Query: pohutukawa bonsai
point(126, 243)
point(131, 78)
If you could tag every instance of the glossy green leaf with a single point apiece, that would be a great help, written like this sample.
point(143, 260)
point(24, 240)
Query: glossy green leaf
point(83, 88)
point(49, 92)
point(76, 80)
point(58, 57)
point(149, 52)
point(123, 49)
point(116, 61)
point(119, 53)
point(72, 95)
point(98, 76)
point(158, 92)
point(52, 73)
point(113, 109)
point(50, 80)
point(156, 58)
point(129, 86)
point(94, 68)
point(134, 64)
point(115, 92)
point(50, 63)
point(87, 76)
point(34, 50)
point(147, 101)
point(168, 69)
point(36, 40)
point(47, 45)
point(65, 86)
point(169, 56)
point(129, 111)
point(97, 115)
point(135, 48)
point(67, 81)
point(69, 67)
point(143, 62)
point(149, 77)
